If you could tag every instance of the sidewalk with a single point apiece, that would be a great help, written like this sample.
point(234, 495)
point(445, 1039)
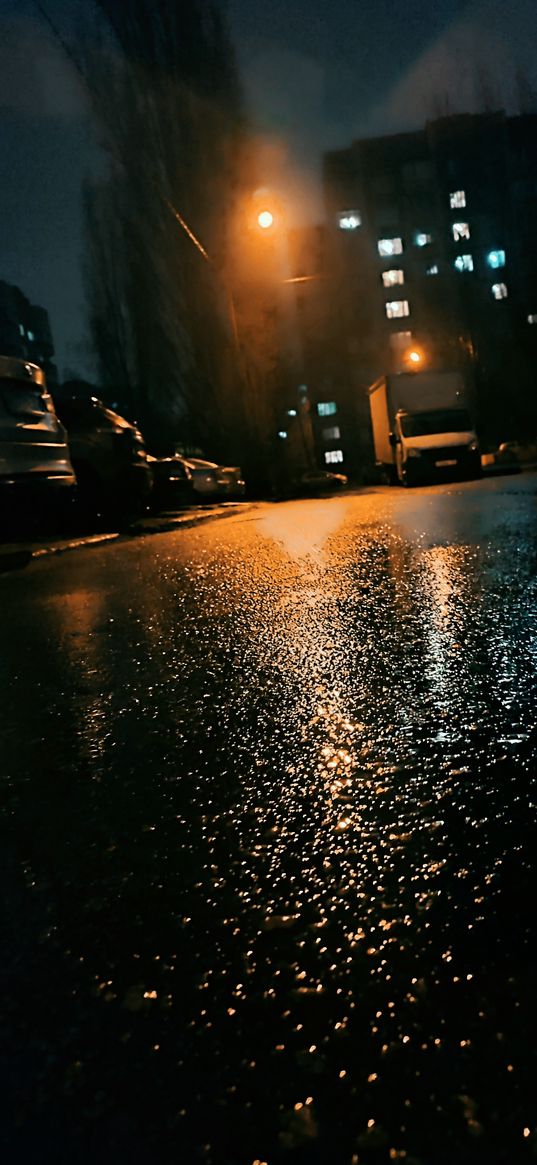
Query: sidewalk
point(14, 555)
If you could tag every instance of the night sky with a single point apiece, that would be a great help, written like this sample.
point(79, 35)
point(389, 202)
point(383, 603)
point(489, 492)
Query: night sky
point(317, 74)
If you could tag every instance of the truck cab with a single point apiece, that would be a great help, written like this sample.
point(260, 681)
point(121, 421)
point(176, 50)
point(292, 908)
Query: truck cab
point(433, 444)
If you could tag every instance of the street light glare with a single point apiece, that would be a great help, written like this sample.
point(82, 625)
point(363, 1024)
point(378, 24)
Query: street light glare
point(265, 219)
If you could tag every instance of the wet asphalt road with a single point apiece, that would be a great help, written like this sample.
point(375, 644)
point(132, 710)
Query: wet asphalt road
point(270, 796)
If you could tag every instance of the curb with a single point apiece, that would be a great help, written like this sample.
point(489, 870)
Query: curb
point(21, 556)
point(164, 525)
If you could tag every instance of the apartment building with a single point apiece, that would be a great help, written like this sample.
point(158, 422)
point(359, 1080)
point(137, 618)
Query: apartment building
point(25, 330)
point(431, 242)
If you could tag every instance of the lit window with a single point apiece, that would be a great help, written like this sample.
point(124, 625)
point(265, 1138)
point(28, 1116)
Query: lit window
point(389, 278)
point(422, 240)
point(21, 329)
point(532, 319)
point(332, 434)
point(397, 308)
point(349, 220)
point(457, 199)
point(333, 456)
point(390, 247)
point(326, 408)
point(496, 259)
point(461, 230)
point(282, 434)
point(30, 335)
point(433, 270)
point(499, 290)
point(464, 263)
point(400, 339)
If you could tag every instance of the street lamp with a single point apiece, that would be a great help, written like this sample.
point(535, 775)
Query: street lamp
point(265, 220)
point(414, 358)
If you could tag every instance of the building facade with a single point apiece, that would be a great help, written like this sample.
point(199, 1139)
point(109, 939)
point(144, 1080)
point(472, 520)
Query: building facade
point(338, 428)
point(25, 331)
point(431, 245)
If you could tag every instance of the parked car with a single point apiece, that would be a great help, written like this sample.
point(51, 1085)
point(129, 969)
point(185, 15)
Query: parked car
point(510, 457)
point(108, 455)
point(523, 453)
point(500, 460)
point(173, 485)
point(216, 481)
point(316, 481)
point(35, 466)
point(231, 482)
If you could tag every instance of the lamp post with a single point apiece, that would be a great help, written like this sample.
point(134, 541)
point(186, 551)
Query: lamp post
point(264, 217)
point(268, 219)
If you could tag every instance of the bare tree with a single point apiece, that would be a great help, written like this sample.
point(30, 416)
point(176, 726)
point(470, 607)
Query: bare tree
point(164, 90)
point(105, 288)
point(488, 91)
point(441, 105)
point(195, 347)
point(525, 92)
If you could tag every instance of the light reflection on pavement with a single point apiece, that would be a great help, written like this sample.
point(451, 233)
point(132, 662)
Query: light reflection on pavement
point(271, 786)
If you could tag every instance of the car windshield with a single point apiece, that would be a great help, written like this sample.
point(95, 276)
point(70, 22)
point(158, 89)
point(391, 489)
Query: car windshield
point(88, 413)
point(439, 421)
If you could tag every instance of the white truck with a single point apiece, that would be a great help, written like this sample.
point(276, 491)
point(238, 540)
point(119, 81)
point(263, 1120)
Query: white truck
point(422, 427)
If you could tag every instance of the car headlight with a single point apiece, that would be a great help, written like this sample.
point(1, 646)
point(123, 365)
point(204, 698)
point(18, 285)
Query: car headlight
point(413, 452)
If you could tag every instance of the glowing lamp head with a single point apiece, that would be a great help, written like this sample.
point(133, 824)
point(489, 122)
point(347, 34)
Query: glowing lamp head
point(265, 220)
point(414, 357)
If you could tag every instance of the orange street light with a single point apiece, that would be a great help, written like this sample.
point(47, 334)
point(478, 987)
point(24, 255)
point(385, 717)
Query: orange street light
point(265, 220)
point(414, 357)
